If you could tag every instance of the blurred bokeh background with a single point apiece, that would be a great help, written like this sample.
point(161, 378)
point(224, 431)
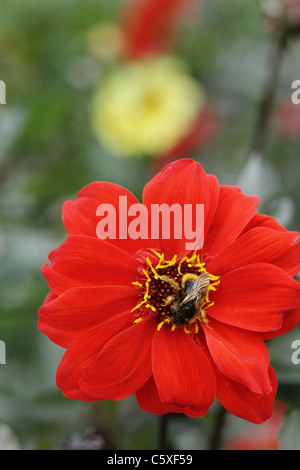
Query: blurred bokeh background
point(114, 90)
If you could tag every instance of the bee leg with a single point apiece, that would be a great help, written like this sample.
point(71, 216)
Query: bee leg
point(168, 301)
point(204, 319)
point(173, 283)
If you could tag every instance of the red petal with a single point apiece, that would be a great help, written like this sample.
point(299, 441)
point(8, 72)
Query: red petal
point(239, 401)
point(49, 297)
point(80, 217)
point(88, 262)
point(181, 370)
point(214, 190)
point(240, 355)
point(290, 321)
point(181, 182)
point(62, 338)
point(77, 395)
point(266, 221)
point(254, 297)
point(123, 365)
point(148, 400)
point(85, 349)
point(234, 211)
point(266, 246)
point(81, 308)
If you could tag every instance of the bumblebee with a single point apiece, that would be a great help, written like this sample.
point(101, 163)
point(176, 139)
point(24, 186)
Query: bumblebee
point(186, 303)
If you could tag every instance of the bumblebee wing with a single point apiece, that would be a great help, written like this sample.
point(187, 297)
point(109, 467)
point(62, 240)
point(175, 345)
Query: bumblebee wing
point(198, 290)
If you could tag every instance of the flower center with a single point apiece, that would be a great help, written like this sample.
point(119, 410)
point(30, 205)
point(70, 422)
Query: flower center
point(177, 293)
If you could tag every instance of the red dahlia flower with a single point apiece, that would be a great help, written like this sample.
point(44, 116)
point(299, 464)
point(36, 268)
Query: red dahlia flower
point(120, 306)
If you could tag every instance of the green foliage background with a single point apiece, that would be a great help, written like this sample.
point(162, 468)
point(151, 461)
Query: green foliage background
point(48, 152)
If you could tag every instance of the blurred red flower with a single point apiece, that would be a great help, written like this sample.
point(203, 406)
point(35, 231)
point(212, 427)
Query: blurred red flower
point(286, 120)
point(114, 304)
point(266, 437)
point(148, 25)
point(292, 10)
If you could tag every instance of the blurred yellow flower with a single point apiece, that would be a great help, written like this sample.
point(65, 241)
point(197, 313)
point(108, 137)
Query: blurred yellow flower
point(145, 107)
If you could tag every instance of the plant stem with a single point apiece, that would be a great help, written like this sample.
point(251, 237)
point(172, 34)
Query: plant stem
point(217, 434)
point(286, 32)
point(163, 430)
point(266, 105)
